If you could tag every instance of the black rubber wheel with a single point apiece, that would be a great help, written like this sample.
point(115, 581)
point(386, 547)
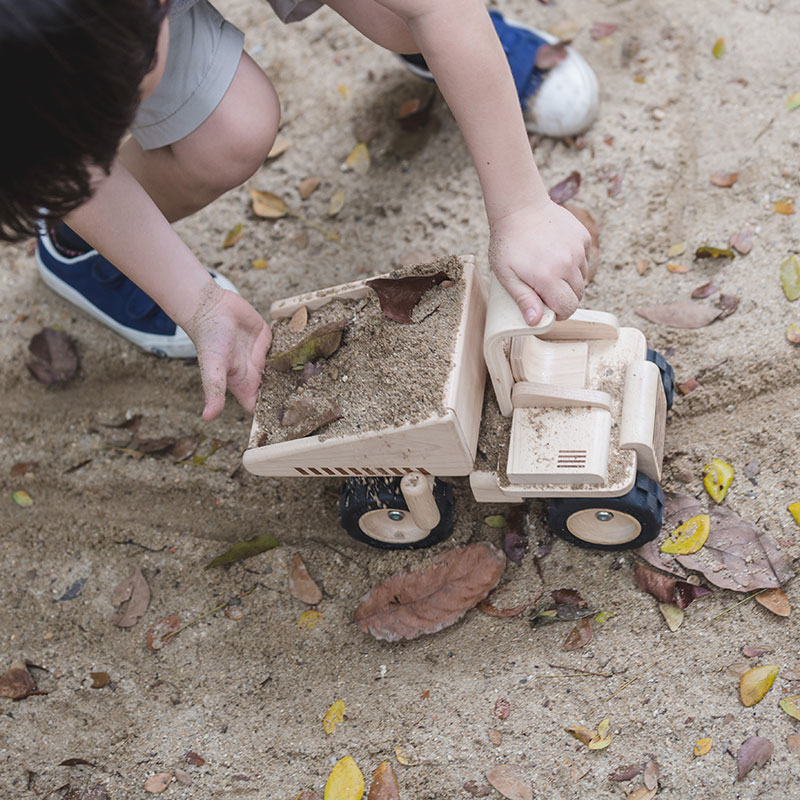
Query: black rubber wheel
point(667, 374)
point(632, 519)
point(379, 496)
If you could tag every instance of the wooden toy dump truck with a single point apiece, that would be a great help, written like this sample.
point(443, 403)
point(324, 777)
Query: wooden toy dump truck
point(575, 416)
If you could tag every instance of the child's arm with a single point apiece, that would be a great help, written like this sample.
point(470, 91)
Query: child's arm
point(538, 249)
point(231, 338)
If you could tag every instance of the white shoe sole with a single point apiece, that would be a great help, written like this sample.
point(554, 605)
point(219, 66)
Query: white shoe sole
point(179, 345)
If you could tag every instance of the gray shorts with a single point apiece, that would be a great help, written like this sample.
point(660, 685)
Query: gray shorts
point(204, 53)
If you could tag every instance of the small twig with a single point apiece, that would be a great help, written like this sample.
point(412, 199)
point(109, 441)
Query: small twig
point(586, 671)
point(749, 597)
point(624, 686)
point(168, 637)
point(763, 130)
point(560, 675)
point(143, 546)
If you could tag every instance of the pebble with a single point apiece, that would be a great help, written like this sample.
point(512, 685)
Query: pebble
point(659, 114)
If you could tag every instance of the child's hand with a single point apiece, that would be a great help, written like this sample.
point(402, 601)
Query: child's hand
point(232, 341)
point(539, 255)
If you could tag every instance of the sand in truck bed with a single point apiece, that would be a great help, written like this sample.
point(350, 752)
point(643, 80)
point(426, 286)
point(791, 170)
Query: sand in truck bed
point(383, 374)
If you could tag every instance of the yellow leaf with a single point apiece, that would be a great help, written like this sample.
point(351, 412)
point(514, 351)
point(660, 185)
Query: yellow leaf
point(794, 510)
point(581, 733)
point(676, 250)
point(793, 102)
point(344, 90)
point(358, 160)
point(672, 614)
point(336, 203)
point(689, 537)
point(755, 683)
point(268, 205)
point(334, 717)
point(784, 206)
point(702, 746)
point(791, 705)
point(22, 498)
point(639, 78)
point(793, 334)
point(718, 477)
point(345, 781)
point(260, 263)
point(681, 269)
point(308, 186)
point(234, 235)
point(278, 147)
point(790, 277)
point(309, 620)
point(718, 50)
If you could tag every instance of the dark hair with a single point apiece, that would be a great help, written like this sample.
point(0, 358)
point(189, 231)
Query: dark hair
point(70, 71)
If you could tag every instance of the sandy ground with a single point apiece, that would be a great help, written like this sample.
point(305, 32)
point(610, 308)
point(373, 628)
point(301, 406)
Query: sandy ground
point(248, 695)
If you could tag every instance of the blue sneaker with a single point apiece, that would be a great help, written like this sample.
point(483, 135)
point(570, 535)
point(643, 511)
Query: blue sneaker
point(560, 101)
point(97, 287)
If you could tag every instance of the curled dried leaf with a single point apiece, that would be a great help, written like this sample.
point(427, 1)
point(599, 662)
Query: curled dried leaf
point(301, 585)
point(268, 205)
point(706, 290)
point(706, 251)
point(384, 785)
point(16, 682)
point(579, 636)
point(566, 189)
point(718, 476)
point(399, 296)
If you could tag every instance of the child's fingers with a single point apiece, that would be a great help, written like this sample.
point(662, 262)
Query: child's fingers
point(562, 299)
point(213, 375)
point(529, 302)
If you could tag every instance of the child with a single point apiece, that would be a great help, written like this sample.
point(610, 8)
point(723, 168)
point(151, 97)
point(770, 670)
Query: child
point(203, 118)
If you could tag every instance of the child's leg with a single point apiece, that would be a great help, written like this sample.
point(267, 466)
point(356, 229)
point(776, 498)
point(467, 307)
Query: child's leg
point(223, 152)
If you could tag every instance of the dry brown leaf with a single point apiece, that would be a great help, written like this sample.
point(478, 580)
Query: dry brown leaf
point(600, 30)
point(501, 613)
point(157, 783)
point(580, 635)
point(502, 708)
point(305, 416)
point(299, 320)
point(651, 774)
point(133, 597)
point(776, 601)
point(477, 790)
point(688, 386)
point(55, 359)
point(724, 179)
point(99, 679)
point(581, 733)
point(193, 758)
point(641, 266)
point(588, 222)
point(550, 55)
point(336, 203)
point(411, 604)
point(643, 793)
point(320, 343)
point(510, 781)
point(308, 186)
point(384, 784)
point(755, 652)
point(727, 304)
point(706, 290)
point(566, 189)
point(754, 751)
point(626, 773)
point(662, 587)
point(279, 146)
point(268, 205)
point(682, 314)
point(793, 743)
point(496, 738)
point(742, 242)
point(301, 585)
point(16, 682)
point(398, 296)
